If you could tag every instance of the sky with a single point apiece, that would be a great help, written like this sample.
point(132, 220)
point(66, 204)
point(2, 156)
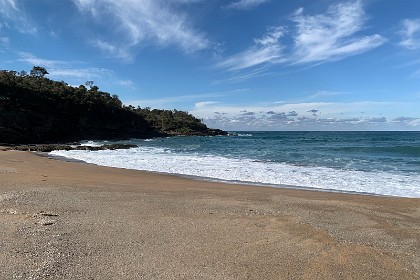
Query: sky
point(235, 64)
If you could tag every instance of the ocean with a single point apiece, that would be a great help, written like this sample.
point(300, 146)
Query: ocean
point(376, 163)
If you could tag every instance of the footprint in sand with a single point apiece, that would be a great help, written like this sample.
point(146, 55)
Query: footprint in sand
point(44, 218)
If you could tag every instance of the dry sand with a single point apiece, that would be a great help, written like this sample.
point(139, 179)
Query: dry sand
point(68, 220)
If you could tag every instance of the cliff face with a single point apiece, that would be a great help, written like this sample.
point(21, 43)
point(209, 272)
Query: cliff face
point(35, 109)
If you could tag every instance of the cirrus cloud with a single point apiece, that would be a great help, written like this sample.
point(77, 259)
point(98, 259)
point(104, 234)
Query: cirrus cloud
point(319, 38)
point(8, 8)
point(410, 33)
point(4, 42)
point(245, 4)
point(13, 16)
point(135, 23)
point(74, 70)
point(332, 35)
point(266, 49)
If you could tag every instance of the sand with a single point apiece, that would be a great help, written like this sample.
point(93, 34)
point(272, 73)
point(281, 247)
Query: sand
point(70, 220)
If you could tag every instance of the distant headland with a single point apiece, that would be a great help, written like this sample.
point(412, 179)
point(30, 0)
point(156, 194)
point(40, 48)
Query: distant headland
point(35, 109)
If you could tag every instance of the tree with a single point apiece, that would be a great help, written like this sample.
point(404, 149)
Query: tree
point(35, 109)
point(89, 84)
point(116, 100)
point(38, 71)
point(94, 88)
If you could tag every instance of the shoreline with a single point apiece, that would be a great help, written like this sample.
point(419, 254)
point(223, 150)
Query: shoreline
point(73, 220)
point(233, 182)
point(227, 182)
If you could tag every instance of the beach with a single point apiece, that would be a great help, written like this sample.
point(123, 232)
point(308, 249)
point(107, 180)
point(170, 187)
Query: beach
point(72, 220)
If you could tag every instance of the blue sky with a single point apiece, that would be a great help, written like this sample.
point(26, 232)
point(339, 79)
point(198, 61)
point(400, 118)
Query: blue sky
point(237, 64)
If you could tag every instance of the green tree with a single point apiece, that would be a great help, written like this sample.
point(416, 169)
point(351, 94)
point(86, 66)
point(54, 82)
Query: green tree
point(38, 71)
point(89, 84)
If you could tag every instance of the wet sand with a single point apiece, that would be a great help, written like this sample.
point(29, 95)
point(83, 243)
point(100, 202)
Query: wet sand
point(70, 220)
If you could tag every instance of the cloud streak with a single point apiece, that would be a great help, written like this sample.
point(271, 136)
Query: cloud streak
point(37, 61)
point(332, 35)
point(410, 33)
point(8, 8)
point(266, 50)
point(59, 69)
point(320, 38)
point(245, 4)
point(4, 42)
point(134, 23)
point(11, 13)
point(171, 101)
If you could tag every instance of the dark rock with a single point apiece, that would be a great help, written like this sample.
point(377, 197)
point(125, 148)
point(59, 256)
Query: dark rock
point(119, 146)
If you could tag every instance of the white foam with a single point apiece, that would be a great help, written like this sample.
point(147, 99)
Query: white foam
point(246, 170)
point(91, 144)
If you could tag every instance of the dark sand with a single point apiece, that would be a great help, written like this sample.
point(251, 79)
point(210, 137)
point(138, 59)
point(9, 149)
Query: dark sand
point(69, 220)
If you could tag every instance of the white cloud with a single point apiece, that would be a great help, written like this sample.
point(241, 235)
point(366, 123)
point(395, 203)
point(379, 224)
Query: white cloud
point(81, 73)
point(186, 1)
point(126, 83)
point(205, 104)
point(324, 93)
point(4, 42)
point(310, 115)
point(132, 23)
point(174, 101)
point(244, 75)
point(245, 4)
point(36, 61)
point(316, 39)
point(410, 33)
point(111, 49)
point(403, 119)
point(59, 69)
point(331, 36)
point(265, 50)
point(375, 120)
point(11, 13)
point(415, 123)
point(8, 8)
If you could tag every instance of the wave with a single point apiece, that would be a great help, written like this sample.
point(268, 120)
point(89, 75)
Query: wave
point(93, 143)
point(255, 172)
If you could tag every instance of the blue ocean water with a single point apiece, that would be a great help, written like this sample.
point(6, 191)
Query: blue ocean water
point(383, 163)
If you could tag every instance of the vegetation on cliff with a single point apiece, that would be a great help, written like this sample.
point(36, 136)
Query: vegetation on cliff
point(35, 109)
